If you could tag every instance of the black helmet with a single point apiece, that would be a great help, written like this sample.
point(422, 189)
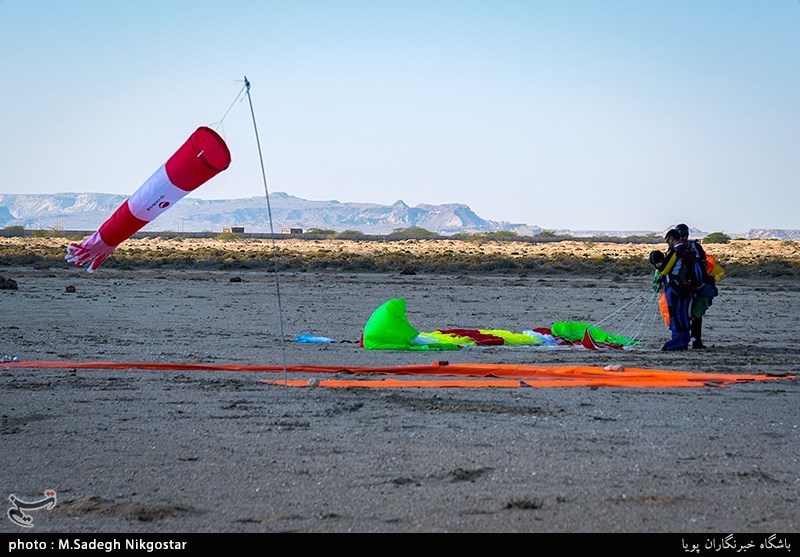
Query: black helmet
point(656, 257)
point(682, 229)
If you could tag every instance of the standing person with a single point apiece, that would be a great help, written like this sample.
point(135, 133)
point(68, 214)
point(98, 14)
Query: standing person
point(704, 287)
point(675, 271)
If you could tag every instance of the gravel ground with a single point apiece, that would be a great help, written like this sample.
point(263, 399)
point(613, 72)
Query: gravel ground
point(212, 451)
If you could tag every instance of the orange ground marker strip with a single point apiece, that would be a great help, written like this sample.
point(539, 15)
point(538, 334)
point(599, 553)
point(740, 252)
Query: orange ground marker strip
point(533, 376)
point(402, 383)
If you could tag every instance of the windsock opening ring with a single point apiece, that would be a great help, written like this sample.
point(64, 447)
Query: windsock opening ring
point(206, 146)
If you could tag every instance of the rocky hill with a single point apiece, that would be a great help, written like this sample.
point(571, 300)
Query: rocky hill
point(86, 211)
point(773, 234)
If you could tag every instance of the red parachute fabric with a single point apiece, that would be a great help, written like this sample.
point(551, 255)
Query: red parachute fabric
point(588, 341)
point(481, 339)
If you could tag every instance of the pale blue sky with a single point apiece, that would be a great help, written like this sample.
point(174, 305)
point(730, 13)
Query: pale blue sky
point(593, 114)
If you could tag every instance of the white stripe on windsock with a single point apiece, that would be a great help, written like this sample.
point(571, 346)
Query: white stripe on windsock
point(155, 196)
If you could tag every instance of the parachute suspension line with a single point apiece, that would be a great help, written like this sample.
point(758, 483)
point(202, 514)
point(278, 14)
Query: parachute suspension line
point(632, 325)
point(641, 320)
point(655, 313)
point(649, 313)
point(220, 124)
point(645, 318)
point(638, 322)
point(624, 307)
point(271, 229)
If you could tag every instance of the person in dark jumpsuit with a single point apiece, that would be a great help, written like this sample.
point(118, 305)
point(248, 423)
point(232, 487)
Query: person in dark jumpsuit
point(704, 286)
point(676, 272)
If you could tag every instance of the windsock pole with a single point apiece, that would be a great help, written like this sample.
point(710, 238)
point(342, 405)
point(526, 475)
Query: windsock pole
point(271, 229)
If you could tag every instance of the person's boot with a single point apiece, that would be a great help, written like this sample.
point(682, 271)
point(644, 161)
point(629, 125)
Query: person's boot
point(679, 341)
point(671, 345)
point(697, 329)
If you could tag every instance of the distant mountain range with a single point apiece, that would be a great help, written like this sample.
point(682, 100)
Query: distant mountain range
point(86, 211)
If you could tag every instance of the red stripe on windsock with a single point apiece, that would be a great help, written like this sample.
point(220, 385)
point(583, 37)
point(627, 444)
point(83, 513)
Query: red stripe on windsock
point(120, 226)
point(203, 156)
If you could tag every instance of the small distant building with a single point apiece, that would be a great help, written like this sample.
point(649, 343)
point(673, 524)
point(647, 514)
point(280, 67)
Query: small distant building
point(292, 231)
point(234, 229)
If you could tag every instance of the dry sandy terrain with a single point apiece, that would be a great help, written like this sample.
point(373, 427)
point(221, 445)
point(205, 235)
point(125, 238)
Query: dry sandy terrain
point(736, 251)
point(165, 451)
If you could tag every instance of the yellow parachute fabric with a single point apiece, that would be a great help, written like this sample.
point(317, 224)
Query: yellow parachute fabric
point(510, 337)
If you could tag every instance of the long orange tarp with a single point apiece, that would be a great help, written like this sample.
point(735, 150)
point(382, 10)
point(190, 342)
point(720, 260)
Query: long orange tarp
point(533, 376)
point(401, 383)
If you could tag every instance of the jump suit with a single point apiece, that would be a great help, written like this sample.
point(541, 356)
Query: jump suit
point(699, 304)
point(678, 271)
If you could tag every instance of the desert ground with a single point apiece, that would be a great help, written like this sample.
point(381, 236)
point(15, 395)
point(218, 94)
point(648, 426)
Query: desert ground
point(741, 257)
point(220, 451)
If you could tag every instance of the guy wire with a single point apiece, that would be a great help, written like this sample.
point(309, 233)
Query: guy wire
point(271, 229)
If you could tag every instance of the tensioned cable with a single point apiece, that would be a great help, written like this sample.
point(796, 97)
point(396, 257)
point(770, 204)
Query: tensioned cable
point(245, 90)
point(271, 228)
point(221, 122)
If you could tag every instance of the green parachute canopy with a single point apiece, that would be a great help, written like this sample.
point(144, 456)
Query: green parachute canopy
point(388, 329)
point(574, 331)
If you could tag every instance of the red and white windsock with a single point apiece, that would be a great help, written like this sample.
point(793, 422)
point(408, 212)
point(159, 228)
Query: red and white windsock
point(203, 156)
